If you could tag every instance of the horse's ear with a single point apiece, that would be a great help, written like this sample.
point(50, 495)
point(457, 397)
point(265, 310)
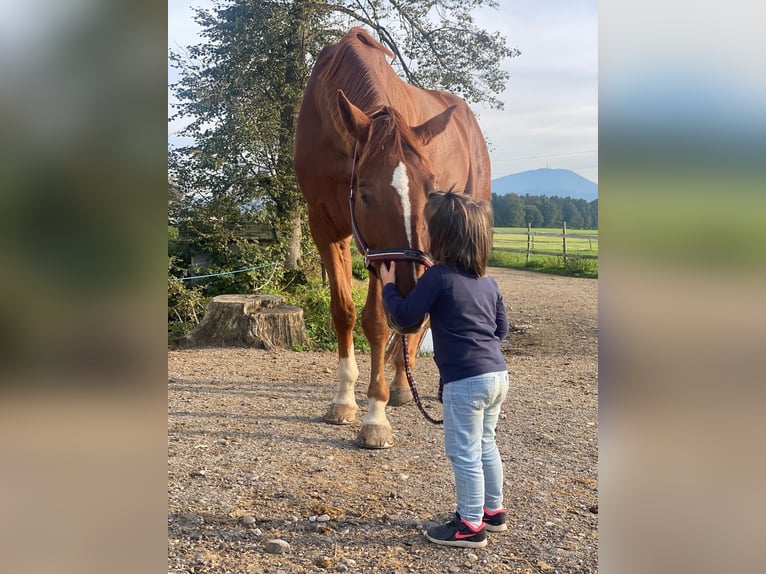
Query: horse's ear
point(355, 120)
point(433, 127)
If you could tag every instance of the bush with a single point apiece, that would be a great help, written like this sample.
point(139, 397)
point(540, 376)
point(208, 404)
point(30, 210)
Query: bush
point(314, 299)
point(185, 306)
point(358, 270)
point(581, 267)
point(574, 266)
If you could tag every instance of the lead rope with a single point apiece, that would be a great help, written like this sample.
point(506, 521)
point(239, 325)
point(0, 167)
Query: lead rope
point(411, 383)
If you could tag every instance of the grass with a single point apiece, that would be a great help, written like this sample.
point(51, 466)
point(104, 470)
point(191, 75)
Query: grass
point(579, 241)
point(575, 265)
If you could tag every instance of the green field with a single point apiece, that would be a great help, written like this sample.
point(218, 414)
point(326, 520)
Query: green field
point(516, 238)
point(549, 250)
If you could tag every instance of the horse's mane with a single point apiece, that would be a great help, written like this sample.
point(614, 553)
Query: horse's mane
point(352, 69)
point(389, 128)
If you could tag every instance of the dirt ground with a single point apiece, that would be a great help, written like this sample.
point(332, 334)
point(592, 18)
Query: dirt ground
point(250, 460)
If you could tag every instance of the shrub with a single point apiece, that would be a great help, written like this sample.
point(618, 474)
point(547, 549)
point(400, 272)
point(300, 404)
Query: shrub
point(314, 299)
point(581, 267)
point(185, 306)
point(358, 270)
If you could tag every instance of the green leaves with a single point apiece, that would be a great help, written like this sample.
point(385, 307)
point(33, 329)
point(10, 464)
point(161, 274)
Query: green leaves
point(314, 299)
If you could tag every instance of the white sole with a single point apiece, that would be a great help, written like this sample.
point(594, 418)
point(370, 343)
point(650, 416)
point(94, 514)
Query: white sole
point(458, 543)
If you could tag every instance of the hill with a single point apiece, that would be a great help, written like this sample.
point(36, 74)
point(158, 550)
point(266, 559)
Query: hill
point(545, 181)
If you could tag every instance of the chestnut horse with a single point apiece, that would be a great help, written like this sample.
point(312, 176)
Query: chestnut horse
point(368, 149)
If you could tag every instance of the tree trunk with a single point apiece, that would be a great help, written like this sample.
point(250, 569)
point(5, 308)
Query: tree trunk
point(257, 321)
point(294, 242)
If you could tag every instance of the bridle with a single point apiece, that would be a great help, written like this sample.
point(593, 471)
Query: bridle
point(372, 255)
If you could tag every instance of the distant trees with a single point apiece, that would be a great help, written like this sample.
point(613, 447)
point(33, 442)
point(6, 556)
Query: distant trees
point(512, 210)
point(533, 217)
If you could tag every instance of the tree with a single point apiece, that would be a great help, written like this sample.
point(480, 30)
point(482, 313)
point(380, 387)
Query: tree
point(571, 214)
point(551, 210)
point(533, 216)
point(517, 211)
point(500, 211)
point(594, 214)
point(241, 88)
point(219, 230)
point(585, 210)
point(243, 85)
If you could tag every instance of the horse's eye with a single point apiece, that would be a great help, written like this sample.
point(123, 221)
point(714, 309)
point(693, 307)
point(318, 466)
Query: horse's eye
point(364, 198)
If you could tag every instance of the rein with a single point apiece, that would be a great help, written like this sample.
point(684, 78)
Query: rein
point(411, 383)
point(371, 255)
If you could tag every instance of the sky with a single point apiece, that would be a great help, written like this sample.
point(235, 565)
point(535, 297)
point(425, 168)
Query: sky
point(550, 116)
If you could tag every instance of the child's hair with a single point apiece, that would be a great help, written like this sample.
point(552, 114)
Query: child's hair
point(461, 231)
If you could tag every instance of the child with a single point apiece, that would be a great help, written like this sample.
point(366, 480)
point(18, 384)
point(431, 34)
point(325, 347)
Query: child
point(468, 321)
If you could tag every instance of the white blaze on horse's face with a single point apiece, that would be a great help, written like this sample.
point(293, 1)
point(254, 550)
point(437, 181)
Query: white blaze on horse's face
point(401, 183)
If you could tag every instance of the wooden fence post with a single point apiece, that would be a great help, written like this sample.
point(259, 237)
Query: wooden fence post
point(564, 240)
point(529, 236)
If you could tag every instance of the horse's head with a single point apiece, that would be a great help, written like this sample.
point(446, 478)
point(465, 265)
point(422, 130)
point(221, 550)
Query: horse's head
point(392, 179)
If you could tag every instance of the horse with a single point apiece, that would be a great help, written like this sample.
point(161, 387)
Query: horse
point(369, 147)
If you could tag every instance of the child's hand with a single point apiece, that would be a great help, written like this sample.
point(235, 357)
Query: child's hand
point(387, 274)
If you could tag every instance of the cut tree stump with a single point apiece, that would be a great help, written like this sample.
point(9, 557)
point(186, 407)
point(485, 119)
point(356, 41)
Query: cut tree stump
point(256, 321)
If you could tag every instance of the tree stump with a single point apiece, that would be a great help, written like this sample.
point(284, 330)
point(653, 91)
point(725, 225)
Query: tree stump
point(256, 321)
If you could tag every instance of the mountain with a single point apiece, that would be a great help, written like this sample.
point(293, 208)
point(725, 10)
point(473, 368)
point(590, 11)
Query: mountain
point(545, 181)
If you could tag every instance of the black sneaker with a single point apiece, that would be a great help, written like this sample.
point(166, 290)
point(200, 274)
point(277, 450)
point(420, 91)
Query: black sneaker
point(495, 522)
point(458, 533)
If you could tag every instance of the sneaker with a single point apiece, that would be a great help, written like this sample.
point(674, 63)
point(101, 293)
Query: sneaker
point(495, 522)
point(458, 533)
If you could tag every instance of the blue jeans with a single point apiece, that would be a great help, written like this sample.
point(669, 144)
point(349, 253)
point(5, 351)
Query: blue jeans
point(471, 409)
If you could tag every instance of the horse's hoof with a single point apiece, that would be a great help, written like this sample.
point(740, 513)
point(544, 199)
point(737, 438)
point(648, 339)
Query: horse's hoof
point(375, 436)
point(338, 414)
point(398, 396)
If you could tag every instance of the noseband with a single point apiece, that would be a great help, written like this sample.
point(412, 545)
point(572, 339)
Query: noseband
point(372, 255)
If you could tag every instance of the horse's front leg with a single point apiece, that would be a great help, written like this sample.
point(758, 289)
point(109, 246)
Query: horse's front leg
point(376, 430)
point(400, 393)
point(337, 260)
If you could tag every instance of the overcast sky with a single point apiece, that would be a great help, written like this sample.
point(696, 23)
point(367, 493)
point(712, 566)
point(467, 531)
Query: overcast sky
point(551, 99)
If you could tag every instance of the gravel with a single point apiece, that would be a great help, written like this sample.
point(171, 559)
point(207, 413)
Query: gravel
point(257, 483)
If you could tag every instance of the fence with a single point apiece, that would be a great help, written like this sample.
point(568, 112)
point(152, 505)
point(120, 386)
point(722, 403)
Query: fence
point(530, 248)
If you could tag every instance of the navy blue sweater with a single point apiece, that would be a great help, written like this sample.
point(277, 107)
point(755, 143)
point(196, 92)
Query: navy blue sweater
point(468, 320)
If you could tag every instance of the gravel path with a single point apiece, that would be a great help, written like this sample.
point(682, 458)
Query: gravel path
point(257, 483)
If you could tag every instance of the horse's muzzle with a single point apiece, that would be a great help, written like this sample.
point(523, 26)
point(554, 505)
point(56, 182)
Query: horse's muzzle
point(387, 255)
point(399, 330)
